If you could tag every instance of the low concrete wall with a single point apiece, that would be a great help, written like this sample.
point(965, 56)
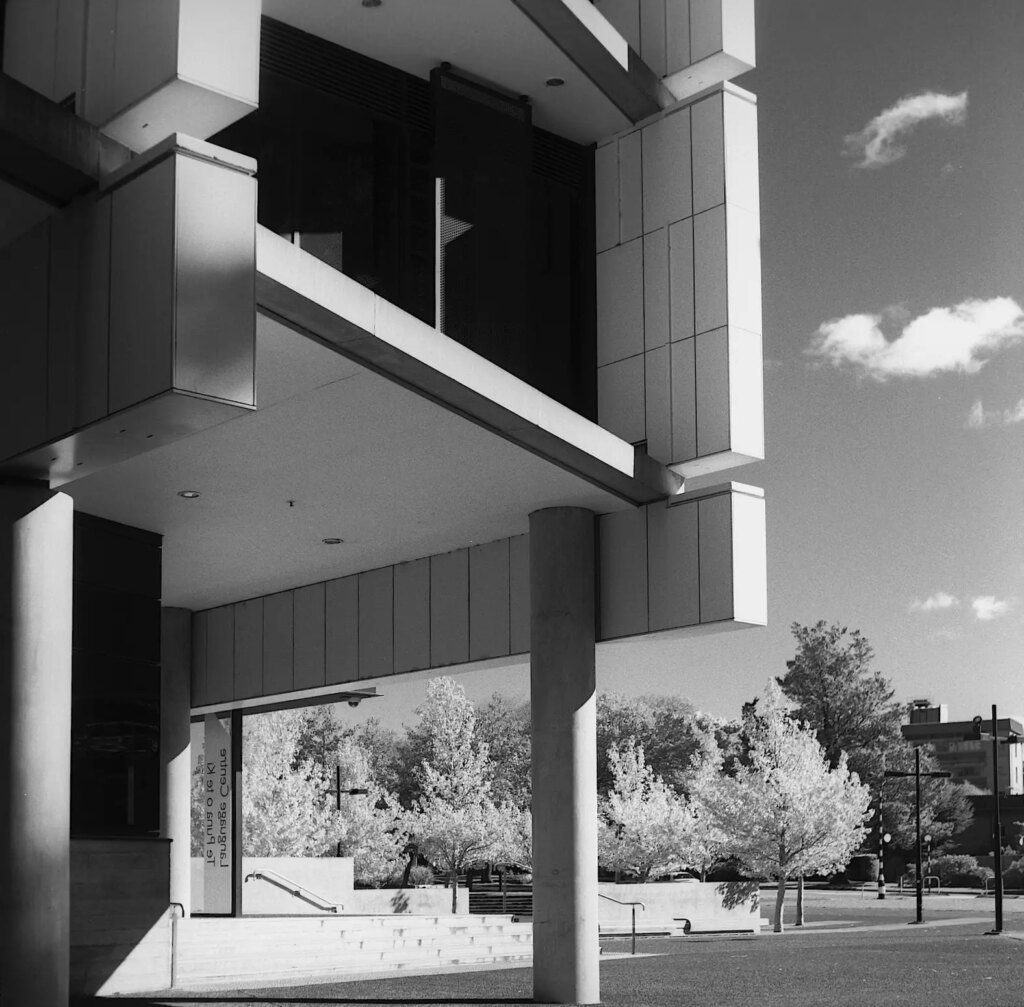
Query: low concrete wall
point(120, 929)
point(419, 901)
point(328, 877)
point(722, 906)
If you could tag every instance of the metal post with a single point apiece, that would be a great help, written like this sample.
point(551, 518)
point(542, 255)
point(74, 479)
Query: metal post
point(997, 825)
point(881, 848)
point(632, 910)
point(236, 812)
point(920, 878)
point(942, 773)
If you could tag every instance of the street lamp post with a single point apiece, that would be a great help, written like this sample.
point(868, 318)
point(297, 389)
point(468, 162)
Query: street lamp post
point(337, 792)
point(917, 774)
point(997, 824)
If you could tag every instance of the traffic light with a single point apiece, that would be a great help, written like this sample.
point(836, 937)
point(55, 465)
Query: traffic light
point(976, 727)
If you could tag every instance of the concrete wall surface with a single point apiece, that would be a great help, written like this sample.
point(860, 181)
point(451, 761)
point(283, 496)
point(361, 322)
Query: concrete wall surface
point(434, 901)
point(120, 919)
point(712, 905)
point(329, 878)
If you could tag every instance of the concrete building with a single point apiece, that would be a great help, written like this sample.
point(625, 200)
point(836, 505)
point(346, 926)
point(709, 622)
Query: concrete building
point(345, 339)
point(967, 758)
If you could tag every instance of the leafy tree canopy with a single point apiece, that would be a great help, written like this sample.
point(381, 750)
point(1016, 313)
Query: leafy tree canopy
point(834, 690)
point(789, 812)
point(851, 709)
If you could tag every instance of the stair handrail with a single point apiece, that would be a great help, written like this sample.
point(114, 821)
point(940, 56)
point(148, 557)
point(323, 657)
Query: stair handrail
point(294, 889)
point(632, 911)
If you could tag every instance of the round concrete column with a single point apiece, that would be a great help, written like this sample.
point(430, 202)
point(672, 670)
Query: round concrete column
point(35, 743)
point(562, 698)
point(175, 751)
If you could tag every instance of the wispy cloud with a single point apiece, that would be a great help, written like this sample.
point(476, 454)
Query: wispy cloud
point(880, 142)
point(955, 339)
point(979, 417)
point(934, 603)
point(988, 607)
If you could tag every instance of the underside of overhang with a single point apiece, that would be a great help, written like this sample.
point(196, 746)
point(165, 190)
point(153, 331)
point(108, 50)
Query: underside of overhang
point(513, 45)
point(334, 451)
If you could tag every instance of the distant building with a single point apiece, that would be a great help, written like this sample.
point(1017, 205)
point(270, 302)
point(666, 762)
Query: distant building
point(968, 759)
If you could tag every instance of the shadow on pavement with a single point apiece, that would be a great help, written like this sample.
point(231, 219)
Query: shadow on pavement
point(267, 997)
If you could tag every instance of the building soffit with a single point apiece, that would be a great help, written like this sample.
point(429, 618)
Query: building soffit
point(517, 46)
point(311, 297)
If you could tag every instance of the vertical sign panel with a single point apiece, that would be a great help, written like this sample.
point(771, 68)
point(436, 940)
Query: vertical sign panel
point(216, 817)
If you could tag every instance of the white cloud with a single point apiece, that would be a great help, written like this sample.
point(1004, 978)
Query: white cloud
point(935, 602)
point(979, 417)
point(987, 607)
point(879, 142)
point(955, 339)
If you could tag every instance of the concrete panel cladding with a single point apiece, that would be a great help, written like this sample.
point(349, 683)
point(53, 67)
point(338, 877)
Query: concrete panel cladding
point(694, 562)
point(690, 44)
point(140, 70)
point(133, 314)
point(679, 304)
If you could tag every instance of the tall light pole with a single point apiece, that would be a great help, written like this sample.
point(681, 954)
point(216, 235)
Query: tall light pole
point(337, 792)
point(997, 824)
point(917, 774)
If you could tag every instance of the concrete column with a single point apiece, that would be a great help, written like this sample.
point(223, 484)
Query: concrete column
point(35, 743)
point(562, 697)
point(175, 750)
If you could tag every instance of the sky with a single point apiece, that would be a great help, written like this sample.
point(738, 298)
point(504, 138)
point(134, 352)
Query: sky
point(892, 217)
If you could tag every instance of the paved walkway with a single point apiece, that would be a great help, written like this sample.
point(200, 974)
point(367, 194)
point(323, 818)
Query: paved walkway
point(852, 952)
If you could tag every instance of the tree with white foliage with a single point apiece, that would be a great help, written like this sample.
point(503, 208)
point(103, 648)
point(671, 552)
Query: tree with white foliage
point(705, 841)
point(458, 823)
point(645, 826)
point(284, 811)
point(789, 813)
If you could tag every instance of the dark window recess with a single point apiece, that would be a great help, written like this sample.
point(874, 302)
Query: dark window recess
point(115, 684)
point(349, 150)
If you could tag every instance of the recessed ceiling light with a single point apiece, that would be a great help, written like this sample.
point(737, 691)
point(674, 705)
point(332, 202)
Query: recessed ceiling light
point(555, 81)
point(189, 494)
point(332, 541)
point(372, 3)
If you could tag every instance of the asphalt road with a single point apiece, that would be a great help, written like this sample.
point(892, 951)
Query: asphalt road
point(853, 951)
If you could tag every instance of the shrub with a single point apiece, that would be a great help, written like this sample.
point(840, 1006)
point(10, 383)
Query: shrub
point(958, 871)
point(421, 875)
point(1013, 876)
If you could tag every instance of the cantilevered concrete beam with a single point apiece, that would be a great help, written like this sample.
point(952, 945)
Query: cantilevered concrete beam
point(590, 41)
point(49, 152)
point(309, 296)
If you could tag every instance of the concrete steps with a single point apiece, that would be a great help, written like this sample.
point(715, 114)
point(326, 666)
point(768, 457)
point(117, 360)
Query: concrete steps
point(216, 951)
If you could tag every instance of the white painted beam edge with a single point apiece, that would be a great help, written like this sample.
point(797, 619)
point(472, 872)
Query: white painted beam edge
point(718, 489)
point(285, 263)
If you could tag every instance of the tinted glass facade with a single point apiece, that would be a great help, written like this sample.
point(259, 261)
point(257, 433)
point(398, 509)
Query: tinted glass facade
point(349, 154)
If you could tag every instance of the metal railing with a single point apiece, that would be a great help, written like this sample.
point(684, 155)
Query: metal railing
point(632, 906)
point(294, 889)
point(929, 883)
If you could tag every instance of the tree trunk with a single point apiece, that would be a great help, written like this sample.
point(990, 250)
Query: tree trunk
point(780, 897)
point(455, 891)
point(800, 901)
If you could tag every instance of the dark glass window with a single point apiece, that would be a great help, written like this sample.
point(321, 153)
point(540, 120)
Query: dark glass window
point(115, 680)
point(349, 151)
